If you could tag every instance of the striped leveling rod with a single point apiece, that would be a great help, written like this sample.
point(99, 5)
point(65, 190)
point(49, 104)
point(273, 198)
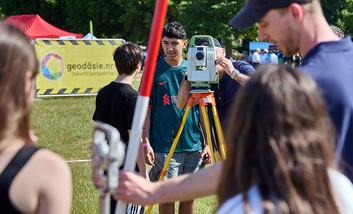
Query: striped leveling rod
point(145, 91)
point(75, 161)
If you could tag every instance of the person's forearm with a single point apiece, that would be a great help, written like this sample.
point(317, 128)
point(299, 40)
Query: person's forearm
point(183, 93)
point(189, 186)
point(134, 189)
point(241, 78)
point(147, 149)
point(141, 161)
point(146, 130)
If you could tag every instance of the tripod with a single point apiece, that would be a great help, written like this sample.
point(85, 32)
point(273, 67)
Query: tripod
point(205, 99)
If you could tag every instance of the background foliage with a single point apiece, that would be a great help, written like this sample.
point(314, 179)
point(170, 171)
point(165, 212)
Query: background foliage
point(339, 13)
point(131, 19)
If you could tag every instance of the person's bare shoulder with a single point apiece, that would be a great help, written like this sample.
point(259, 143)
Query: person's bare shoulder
point(56, 182)
point(46, 177)
point(50, 163)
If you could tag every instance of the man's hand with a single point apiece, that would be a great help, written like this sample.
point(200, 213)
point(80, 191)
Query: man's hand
point(184, 94)
point(100, 182)
point(226, 64)
point(149, 155)
point(134, 189)
point(206, 151)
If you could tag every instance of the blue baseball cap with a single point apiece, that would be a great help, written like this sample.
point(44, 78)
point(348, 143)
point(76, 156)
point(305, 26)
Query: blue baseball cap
point(215, 41)
point(254, 10)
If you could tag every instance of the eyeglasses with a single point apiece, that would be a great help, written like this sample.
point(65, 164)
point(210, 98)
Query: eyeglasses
point(219, 91)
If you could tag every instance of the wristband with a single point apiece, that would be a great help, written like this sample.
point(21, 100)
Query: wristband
point(235, 72)
point(146, 144)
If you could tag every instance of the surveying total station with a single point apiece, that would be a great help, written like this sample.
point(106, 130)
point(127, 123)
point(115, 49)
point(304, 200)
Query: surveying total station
point(201, 64)
point(201, 73)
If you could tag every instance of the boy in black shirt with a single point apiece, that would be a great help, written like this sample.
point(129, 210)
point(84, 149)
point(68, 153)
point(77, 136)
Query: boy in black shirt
point(115, 103)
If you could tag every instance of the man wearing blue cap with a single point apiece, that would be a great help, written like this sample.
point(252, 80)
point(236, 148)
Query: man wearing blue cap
point(300, 26)
point(297, 26)
point(231, 76)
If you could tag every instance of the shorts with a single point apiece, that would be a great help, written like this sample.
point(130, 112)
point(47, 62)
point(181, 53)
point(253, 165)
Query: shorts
point(130, 209)
point(181, 163)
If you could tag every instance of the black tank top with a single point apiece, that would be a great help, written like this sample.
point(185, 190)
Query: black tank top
point(9, 174)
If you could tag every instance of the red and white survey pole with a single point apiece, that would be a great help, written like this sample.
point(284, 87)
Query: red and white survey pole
point(145, 91)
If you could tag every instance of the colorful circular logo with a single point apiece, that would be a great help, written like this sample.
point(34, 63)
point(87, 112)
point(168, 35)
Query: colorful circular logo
point(52, 66)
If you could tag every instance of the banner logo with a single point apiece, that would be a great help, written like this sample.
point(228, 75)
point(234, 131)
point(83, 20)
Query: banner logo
point(52, 66)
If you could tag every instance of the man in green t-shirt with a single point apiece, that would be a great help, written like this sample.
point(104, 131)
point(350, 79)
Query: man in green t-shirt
point(162, 117)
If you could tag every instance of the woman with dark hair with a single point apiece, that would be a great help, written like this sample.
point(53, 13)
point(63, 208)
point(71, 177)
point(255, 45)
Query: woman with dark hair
point(279, 149)
point(32, 180)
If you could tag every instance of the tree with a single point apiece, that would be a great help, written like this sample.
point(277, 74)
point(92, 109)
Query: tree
point(50, 10)
point(339, 13)
point(128, 19)
point(104, 15)
point(348, 21)
point(137, 18)
point(211, 18)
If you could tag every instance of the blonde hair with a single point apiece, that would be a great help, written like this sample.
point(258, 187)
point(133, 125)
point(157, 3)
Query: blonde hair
point(17, 56)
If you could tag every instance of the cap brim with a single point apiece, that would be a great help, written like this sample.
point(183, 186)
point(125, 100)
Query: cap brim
point(246, 18)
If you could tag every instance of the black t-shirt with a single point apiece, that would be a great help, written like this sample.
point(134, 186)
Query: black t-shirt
point(9, 174)
point(115, 105)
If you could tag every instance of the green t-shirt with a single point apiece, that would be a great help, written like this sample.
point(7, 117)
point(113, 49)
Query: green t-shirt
point(165, 114)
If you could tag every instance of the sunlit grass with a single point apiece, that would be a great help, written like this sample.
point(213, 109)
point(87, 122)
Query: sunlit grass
point(64, 125)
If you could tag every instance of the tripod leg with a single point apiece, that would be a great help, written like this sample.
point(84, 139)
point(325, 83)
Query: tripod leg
point(171, 152)
point(210, 118)
point(219, 133)
point(208, 131)
point(213, 134)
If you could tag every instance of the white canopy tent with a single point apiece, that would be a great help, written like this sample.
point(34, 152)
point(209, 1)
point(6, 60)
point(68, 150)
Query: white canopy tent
point(89, 36)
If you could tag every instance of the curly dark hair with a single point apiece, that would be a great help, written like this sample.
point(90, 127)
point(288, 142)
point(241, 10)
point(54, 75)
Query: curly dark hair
point(174, 30)
point(338, 31)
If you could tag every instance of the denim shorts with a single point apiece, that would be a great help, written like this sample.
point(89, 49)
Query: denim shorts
point(181, 163)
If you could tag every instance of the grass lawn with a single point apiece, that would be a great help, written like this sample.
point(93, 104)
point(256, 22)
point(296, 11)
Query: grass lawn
point(64, 125)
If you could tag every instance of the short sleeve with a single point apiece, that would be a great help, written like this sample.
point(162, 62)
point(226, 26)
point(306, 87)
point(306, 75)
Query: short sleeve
point(95, 111)
point(244, 68)
point(152, 95)
point(342, 189)
point(152, 91)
